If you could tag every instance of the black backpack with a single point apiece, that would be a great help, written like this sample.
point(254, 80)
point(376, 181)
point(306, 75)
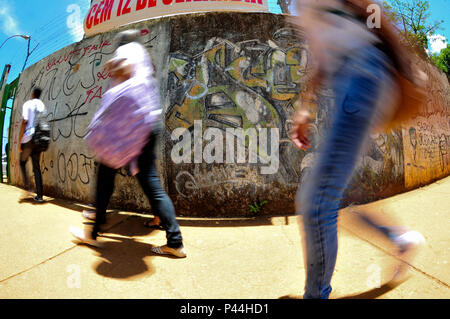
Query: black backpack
point(41, 136)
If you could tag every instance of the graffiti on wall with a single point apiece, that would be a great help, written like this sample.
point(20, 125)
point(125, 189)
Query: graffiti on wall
point(71, 97)
point(73, 81)
point(427, 150)
point(249, 84)
point(426, 138)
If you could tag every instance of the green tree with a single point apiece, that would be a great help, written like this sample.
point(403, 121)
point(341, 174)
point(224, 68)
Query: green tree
point(442, 60)
point(284, 5)
point(412, 17)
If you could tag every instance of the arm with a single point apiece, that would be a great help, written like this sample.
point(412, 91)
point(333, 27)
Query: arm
point(306, 106)
point(23, 124)
point(22, 132)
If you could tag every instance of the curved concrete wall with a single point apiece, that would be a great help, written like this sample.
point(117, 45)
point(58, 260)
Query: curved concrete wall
point(223, 71)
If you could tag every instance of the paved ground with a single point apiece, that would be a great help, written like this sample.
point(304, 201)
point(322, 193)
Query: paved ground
point(248, 258)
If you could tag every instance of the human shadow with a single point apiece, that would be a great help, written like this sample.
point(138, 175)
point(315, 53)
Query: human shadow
point(371, 294)
point(228, 222)
point(67, 204)
point(122, 258)
point(290, 297)
point(134, 226)
point(30, 200)
point(187, 221)
point(122, 255)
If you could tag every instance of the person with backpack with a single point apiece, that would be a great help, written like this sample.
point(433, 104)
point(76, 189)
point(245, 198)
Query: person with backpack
point(372, 79)
point(124, 133)
point(34, 139)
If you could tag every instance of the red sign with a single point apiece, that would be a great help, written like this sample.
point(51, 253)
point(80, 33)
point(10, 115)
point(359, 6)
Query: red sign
point(105, 15)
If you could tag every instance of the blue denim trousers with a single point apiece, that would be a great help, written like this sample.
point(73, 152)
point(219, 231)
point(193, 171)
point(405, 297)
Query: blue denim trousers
point(148, 178)
point(357, 87)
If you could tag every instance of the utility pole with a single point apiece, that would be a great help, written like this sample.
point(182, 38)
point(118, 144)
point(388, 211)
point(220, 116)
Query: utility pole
point(28, 52)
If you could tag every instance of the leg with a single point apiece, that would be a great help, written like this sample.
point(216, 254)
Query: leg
point(160, 202)
point(35, 157)
point(323, 191)
point(26, 151)
point(104, 190)
point(366, 223)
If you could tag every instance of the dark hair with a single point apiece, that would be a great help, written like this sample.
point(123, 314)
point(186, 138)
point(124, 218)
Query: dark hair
point(127, 36)
point(37, 91)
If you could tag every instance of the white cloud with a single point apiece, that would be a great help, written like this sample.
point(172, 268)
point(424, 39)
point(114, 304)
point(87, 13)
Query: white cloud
point(75, 19)
point(9, 25)
point(437, 43)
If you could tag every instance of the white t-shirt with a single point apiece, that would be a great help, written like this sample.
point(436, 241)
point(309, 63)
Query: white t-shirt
point(29, 113)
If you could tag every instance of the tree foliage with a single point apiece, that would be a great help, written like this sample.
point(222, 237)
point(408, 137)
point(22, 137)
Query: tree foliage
point(442, 60)
point(412, 17)
point(284, 5)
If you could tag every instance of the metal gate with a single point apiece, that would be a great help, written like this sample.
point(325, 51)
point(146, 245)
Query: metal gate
point(9, 92)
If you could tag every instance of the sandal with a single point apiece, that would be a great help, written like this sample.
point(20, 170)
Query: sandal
point(155, 223)
point(166, 250)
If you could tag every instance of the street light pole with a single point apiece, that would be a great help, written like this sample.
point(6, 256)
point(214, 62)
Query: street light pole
point(26, 37)
point(16, 35)
point(28, 52)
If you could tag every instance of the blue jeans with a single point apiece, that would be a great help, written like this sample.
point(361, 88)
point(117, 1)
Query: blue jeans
point(357, 87)
point(149, 180)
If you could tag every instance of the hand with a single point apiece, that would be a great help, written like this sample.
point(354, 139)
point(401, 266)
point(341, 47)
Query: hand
point(300, 129)
point(420, 78)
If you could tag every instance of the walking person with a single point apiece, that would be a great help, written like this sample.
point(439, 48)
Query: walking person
point(28, 148)
point(133, 85)
point(359, 63)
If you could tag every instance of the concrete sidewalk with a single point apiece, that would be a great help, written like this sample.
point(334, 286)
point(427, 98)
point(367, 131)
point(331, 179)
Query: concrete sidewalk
point(238, 258)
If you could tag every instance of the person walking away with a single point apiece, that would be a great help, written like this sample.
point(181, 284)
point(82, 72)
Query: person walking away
point(360, 64)
point(30, 112)
point(133, 91)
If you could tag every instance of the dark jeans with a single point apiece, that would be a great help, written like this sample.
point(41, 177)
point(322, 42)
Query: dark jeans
point(28, 150)
point(149, 180)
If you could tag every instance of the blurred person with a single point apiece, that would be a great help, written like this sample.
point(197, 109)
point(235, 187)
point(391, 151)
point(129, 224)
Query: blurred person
point(132, 84)
point(360, 65)
point(27, 148)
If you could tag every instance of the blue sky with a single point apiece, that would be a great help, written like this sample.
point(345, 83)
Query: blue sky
point(46, 24)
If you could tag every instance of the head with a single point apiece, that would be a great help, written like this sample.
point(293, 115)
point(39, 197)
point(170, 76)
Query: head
point(127, 36)
point(120, 67)
point(36, 94)
point(130, 59)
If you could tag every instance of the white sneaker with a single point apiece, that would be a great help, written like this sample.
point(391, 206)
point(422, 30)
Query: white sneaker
point(166, 250)
point(408, 244)
point(85, 236)
point(89, 214)
point(409, 241)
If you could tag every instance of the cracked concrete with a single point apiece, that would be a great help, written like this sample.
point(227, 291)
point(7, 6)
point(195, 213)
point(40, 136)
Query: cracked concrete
point(227, 258)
